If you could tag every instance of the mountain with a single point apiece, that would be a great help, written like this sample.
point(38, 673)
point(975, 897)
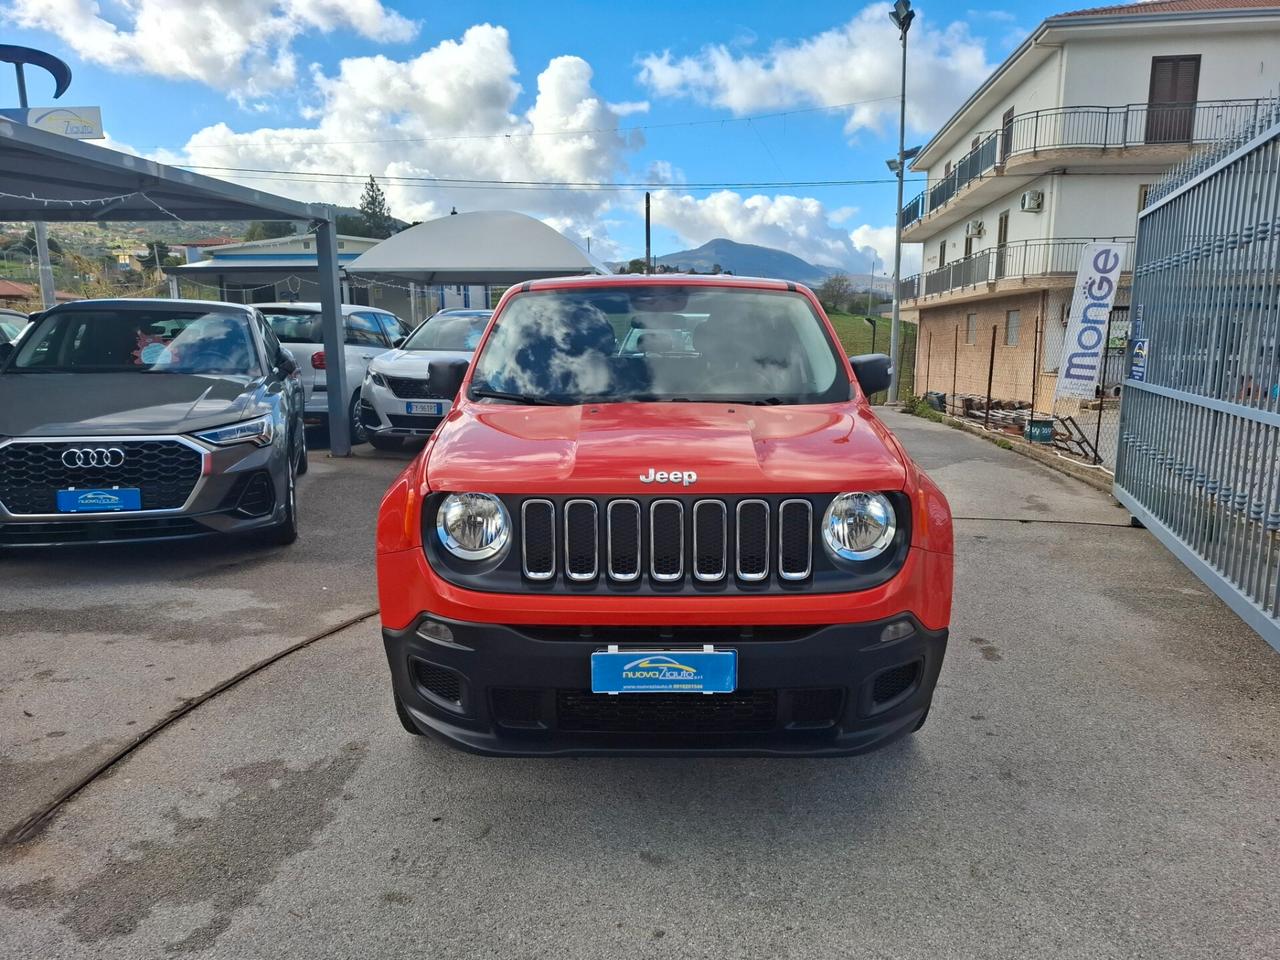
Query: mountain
point(748, 260)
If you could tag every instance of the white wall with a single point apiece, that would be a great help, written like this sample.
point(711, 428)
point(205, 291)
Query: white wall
point(1090, 206)
point(1239, 65)
point(1022, 226)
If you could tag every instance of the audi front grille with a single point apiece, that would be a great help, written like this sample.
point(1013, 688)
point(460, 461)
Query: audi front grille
point(32, 471)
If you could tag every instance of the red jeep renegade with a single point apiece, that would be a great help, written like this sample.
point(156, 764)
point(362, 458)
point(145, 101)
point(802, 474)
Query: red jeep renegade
point(662, 518)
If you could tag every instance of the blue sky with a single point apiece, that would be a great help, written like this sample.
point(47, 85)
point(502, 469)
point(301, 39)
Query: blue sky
point(555, 91)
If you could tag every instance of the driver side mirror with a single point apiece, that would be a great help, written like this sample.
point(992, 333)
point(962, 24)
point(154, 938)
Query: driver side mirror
point(398, 342)
point(874, 372)
point(286, 364)
point(7, 350)
point(446, 376)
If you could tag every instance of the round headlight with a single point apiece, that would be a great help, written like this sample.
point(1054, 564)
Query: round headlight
point(858, 526)
point(473, 526)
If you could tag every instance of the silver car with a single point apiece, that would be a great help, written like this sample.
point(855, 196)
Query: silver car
point(397, 399)
point(367, 332)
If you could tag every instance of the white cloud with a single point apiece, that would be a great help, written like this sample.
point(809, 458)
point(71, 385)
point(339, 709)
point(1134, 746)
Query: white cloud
point(449, 112)
point(857, 61)
point(799, 225)
point(243, 47)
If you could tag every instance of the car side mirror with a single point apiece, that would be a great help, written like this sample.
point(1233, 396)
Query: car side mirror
point(7, 350)
point(286, 364)
point(874, 372)
point(446, 376)
point(398, 342)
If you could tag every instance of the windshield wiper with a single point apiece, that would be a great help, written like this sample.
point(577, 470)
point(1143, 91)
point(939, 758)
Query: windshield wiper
point(478, 393)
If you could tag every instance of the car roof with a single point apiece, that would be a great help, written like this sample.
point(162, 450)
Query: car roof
point(622, 280)
point(315, 307)
point(143, 303)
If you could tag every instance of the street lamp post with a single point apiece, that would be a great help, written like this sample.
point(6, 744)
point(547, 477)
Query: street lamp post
point(901, 15)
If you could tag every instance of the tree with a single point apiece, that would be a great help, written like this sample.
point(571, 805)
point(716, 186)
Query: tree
point(349, 224)
point(27, 245)
point(836, 292)
point(269, 229)
point(157, 248)
point(635, 265)
point(378, 222)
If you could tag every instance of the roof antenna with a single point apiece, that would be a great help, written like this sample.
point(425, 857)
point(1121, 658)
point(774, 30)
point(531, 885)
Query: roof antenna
point(453, 212)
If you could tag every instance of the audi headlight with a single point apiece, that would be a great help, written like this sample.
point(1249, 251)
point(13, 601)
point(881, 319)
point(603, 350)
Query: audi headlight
point(473, 526)
point(859, 526)
point(257, 431)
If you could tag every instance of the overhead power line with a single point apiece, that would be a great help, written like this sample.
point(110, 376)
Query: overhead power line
point(526, 134)
point(338, 177)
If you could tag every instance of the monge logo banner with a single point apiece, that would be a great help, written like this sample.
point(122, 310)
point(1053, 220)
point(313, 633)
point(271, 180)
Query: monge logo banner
point(1085, 343)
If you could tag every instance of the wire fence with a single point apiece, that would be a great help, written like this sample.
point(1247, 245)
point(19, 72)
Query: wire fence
point(995, 363)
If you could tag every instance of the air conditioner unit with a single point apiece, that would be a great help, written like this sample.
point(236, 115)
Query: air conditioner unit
point(1032, 201)
point(973, 228)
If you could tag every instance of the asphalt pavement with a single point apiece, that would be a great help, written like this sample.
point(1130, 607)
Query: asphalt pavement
point(1098, 778)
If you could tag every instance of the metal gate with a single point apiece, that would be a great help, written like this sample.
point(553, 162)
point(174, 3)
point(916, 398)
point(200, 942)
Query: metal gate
point(1199, 454)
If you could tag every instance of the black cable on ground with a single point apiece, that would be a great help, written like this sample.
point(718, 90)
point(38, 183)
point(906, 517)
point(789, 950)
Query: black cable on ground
point(29, 828)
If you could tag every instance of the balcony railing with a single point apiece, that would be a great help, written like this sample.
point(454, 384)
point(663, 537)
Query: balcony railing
point(1128, 125)
point(1012, 261)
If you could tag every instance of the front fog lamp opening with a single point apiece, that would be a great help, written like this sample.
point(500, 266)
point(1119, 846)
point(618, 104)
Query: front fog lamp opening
point(473, 526)
point(858, 526)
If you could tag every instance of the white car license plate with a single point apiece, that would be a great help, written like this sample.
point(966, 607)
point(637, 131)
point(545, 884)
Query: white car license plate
point(431, 408)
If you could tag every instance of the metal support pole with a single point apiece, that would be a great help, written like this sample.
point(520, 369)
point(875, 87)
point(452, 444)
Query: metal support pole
point(991, 370)
point(928, 359)
point(894, 327)
point(955, 365)
point(174, 292)
point(1035, 366)
point(335, 374)
point(1102, 392)
point(648, 249)
point(413, 302)
point(47, 296)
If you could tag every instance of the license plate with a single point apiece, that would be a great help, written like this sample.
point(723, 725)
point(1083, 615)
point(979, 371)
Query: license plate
point(664, 671)
point(431, 409)
point(99, 499)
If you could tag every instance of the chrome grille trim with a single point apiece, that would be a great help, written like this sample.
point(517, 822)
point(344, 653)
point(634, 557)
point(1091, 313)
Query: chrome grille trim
point(783, 572)
point(653, 571)
point(635, 506)
point(764, 572)
point(524, 540)
point(595, 541)
point(724, 540)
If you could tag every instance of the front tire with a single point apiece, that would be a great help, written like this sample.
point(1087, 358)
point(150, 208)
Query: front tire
point(286, 532)
point(359, 432)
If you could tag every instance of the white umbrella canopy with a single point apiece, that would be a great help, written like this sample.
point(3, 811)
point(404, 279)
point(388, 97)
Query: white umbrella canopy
point(490, 247)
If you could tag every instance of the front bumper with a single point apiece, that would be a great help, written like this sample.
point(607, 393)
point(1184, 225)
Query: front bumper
point(386, 415)
point(525, 690)
point(241, 489)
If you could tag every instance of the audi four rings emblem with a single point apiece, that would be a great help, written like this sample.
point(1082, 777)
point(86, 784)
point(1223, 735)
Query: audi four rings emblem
point(93, 457)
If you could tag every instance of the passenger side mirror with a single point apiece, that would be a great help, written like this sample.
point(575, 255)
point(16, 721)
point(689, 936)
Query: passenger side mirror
point(399, 342)
point(874, 372)
point(7, 350)
point(286, 364)
point(446, 376)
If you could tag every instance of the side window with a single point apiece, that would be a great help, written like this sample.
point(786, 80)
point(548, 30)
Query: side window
point(269, 338)
point(392, 326)
point(363, 331)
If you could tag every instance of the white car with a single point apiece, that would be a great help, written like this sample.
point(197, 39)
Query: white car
point(368, 332)
point(396, 398)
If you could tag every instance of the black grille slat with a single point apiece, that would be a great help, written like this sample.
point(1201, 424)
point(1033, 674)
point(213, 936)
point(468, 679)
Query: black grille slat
point(410, 389)
point(742, 711)
point(439, 681)
point(795, 539)
point(753, 540)
point(539, 539)
point(32, 473)
point(710, 539)
point(581, 540)
point(666, 540)
point(624, 535)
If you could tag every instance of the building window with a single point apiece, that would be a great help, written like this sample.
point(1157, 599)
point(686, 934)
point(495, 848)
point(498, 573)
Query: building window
point(971, 328)
point(942, 254)
point(342, 244)
point(946, 170)
point(1143, 190)
point(306, 244)
point(1012, 327)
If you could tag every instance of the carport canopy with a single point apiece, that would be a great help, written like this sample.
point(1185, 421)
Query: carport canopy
point(47, 177)
point(499, 247)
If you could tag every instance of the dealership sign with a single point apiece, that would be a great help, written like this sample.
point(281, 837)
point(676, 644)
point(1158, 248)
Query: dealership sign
point(1085, 343)
point(82, 123)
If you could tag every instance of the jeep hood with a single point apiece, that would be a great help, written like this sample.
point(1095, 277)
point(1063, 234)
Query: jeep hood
point(90, 404)
point(606, 448)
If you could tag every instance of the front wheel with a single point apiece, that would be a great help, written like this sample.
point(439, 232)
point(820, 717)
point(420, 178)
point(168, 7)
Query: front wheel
point(286, 532)
point(359, 432)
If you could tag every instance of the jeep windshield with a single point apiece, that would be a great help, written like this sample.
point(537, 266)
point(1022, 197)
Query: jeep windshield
point(660, 343)
point(133, 340)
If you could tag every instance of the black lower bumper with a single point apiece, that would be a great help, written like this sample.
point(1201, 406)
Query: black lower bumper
point(525, 691)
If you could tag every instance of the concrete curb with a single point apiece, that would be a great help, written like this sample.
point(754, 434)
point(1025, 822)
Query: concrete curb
point(1094, 478)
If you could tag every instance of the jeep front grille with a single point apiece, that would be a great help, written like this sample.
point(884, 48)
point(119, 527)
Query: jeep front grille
point(709, 540)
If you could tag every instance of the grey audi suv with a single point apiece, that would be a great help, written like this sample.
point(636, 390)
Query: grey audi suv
point(148, 420)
